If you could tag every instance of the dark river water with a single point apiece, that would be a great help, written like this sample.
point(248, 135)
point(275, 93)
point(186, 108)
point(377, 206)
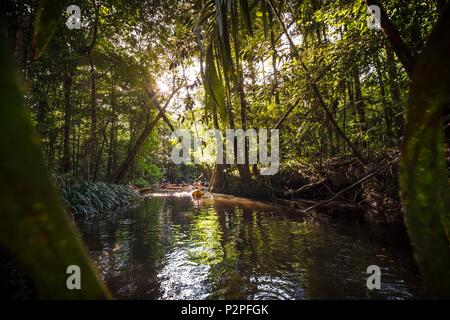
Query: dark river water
point(173, 247)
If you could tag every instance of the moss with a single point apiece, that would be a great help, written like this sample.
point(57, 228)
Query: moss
point(423, 171)
point(33, 224)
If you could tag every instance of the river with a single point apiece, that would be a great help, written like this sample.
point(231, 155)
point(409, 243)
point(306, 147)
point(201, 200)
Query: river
point(222, 247)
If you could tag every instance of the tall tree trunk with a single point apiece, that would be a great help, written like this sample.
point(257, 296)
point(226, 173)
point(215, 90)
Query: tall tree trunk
point(395, 93)
point(244, 169)
point(217, 182)
point(129, 160)
point(273, 47)
point(92, 142)
point(423, 172)
point(360, 106)
point(112, 149)
point(42, 110)
point(404, 54)
point(98, 159)
point(387, 110)
point(126, 165)
point(67, 88)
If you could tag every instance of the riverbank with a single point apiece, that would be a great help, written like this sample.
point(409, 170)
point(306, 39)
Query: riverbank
point(341, 187)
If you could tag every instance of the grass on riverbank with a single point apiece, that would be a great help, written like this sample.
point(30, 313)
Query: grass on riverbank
point(87, 198)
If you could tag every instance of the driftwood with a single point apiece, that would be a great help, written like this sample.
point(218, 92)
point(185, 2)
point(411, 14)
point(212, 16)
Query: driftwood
point(145, 190)
point(306, 187)
point(368, 177)
point(296, 204)
point(299, 205)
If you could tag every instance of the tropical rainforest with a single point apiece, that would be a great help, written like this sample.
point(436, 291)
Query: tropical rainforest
point(87, 115)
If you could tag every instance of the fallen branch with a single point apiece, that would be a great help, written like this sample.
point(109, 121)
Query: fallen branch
point(288, 112)
point(123, 168)
point(199, 177)
point(337, 195)
point(306, 187)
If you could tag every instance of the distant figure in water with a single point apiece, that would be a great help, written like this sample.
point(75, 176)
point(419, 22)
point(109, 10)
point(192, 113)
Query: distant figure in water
point(197, 193)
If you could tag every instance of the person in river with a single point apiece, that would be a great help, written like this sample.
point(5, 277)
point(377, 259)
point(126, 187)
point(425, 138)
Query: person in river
point(197, 193)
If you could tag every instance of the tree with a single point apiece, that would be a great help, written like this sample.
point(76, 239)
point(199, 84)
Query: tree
point(423, 175)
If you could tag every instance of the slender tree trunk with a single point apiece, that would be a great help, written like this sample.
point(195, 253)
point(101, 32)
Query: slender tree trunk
point(42, 110)
point(74, 156)
point(273, 47)
point(112, 150)
point(92, 142)
point(360, 107)
point(52, 138)
point(217, 182)
point(98, 160)
point(244, 169)
point(126, 165)
point(129, 161)
point(395, 93)
point(387, 110)
point(67, 88)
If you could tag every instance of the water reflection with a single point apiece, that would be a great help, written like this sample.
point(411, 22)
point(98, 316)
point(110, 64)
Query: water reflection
point(228, 248)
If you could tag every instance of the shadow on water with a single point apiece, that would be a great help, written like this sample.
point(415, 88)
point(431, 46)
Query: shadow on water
point(173, 247)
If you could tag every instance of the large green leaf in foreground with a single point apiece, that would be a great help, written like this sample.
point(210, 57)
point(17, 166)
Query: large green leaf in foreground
point(33, 225)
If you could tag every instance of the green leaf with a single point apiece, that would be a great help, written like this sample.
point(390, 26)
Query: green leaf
point(247, 16)
point(214, 86)
point(224, 37)
point(33, 224)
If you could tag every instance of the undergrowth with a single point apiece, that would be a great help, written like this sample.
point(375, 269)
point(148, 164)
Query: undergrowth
point(87, 198)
